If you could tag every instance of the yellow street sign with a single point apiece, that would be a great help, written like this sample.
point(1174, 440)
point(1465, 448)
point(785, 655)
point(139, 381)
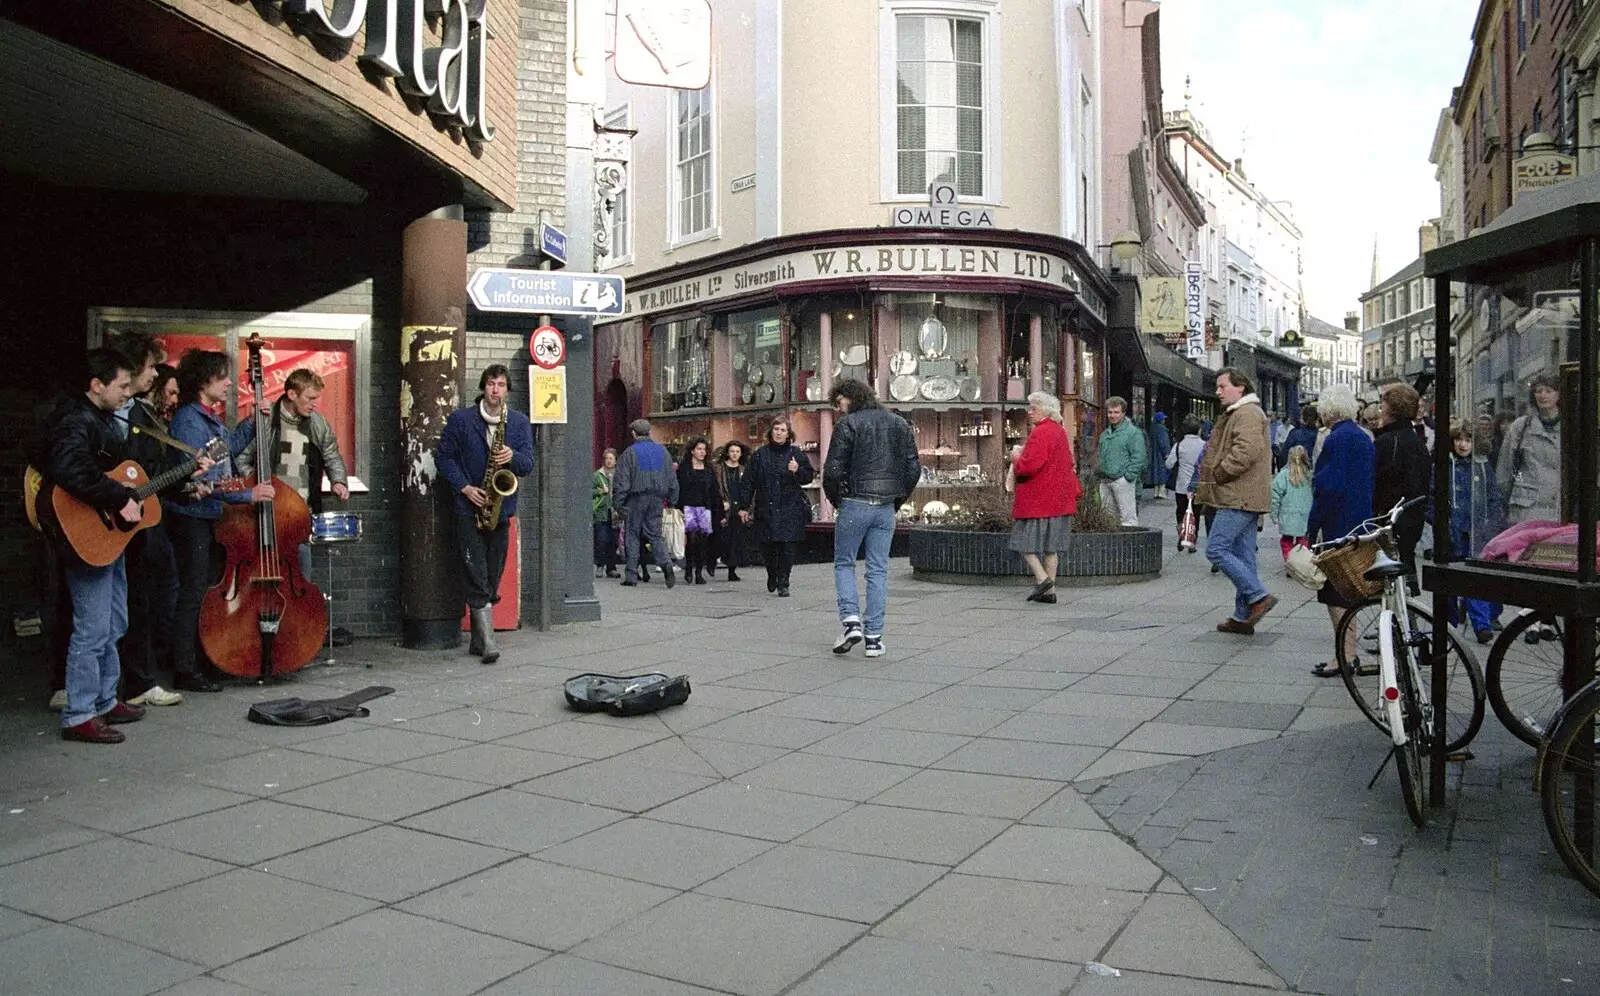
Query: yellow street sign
point(547, 396)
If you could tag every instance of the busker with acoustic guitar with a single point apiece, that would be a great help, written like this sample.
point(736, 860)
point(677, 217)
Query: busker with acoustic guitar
point(203, 382)
point(76, 449)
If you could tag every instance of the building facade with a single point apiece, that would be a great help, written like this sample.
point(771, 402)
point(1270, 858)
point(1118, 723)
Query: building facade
point(203, 171)
point(938, 244)
point(1398, 324)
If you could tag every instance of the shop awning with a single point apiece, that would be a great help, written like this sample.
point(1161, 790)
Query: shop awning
point(1170, 367)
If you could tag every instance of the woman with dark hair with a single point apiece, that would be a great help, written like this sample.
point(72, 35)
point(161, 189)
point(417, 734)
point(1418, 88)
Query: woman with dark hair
point(734, 476)
point(1404, 471)
point(1184, 460)
point(1529, 471)
point(163, 393)
point(778, 472)
point(698, 494)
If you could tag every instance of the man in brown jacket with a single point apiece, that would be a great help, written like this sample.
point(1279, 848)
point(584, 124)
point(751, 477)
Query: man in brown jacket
point(1236, 480)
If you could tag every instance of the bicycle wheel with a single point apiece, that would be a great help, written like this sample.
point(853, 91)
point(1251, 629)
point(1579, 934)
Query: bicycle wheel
point(1410, 757)
point(1567, 788)
point(1465, 678)
point(1525, 677)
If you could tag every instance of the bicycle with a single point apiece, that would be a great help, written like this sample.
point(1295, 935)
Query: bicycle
point(1402, 705)
point(1564, 778)
point(1465, 679)
point(1524, 674)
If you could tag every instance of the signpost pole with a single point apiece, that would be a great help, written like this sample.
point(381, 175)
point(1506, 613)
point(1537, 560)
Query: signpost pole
point(541, 449)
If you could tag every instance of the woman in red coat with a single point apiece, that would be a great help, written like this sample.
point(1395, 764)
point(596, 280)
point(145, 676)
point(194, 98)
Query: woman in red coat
point(1047, 495)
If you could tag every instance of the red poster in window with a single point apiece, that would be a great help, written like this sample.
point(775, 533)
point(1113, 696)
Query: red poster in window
point(330, 360)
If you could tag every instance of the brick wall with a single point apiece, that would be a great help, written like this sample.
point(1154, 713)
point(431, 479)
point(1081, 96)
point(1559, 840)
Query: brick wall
point(258, 26)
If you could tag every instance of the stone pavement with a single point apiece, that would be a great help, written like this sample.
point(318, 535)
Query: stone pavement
point(976, 812)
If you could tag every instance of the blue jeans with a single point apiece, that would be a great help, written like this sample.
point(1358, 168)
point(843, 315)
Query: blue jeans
point(873, 526)
point(99, 618)
point(1231, 545)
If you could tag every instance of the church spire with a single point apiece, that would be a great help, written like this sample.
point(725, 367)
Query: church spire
point(1375, 271)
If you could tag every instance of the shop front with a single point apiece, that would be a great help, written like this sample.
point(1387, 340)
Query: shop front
point(201, 171)
point(1276, 375)
point(952, 329)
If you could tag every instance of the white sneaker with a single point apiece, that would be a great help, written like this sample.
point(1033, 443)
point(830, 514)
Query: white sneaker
point(155, 695)
point(874, 646)
point(58, 701)
point(849, 638)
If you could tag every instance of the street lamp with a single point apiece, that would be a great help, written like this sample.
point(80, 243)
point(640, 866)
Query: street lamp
point(1125, 248)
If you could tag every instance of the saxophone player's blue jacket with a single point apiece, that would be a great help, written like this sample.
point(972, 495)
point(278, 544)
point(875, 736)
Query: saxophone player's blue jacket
point(463, 454)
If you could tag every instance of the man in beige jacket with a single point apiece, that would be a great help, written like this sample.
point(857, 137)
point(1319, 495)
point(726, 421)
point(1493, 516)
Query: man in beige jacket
point(1236, 480)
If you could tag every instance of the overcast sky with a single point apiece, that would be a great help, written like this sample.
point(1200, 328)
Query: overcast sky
point(1332, 104)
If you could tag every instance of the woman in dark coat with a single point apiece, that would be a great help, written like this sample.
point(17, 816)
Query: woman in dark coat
point(1404, 471)
point(700, 498)
point(734, 472)
point(778, 471)
point(1341, 499)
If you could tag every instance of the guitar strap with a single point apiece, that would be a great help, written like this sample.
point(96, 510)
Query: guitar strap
point(163, 438)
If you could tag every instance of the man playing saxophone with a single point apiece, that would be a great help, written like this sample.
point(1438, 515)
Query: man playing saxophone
point(483, 450)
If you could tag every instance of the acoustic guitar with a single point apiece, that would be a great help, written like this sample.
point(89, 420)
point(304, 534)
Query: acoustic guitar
point(99, 537)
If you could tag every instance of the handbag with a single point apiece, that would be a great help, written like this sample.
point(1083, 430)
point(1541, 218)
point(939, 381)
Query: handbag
point(672, 532)
point(1188, 531)
point(1302, 566)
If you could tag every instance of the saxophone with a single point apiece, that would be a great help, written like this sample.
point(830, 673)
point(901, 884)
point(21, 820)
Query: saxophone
point(499, 483)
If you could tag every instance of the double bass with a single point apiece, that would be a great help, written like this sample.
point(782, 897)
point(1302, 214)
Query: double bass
point(264, 618)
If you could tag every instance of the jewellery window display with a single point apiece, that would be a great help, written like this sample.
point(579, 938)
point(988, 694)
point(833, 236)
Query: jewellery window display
point(680, 366)
point(755, 345)
point(850, 352)
point(939, 338)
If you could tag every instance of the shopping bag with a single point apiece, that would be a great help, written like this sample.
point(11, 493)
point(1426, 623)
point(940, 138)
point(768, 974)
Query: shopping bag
point(1188, 531)
point(672, 532)
point(697, 520)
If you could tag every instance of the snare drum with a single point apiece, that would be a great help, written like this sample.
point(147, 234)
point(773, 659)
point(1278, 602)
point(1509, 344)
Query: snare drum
point(336, 527)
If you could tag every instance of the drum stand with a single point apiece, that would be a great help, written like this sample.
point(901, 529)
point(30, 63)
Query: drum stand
point(327, 599)
point(329, 530)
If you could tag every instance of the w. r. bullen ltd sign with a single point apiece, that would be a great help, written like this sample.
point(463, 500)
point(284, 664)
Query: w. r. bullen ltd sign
point(450, 76)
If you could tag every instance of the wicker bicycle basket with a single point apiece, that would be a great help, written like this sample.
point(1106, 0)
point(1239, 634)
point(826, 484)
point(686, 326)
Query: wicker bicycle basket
point(1345, 566)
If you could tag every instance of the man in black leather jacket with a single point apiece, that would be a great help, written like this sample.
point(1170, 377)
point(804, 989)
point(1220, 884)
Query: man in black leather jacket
point(76, 449)
point(870, 471)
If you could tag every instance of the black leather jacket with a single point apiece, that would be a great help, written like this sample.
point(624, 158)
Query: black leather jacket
point(873, 455)
point(76, 448)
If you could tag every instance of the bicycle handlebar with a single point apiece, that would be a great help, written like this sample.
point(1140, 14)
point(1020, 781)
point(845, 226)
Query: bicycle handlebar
point(1374, 527)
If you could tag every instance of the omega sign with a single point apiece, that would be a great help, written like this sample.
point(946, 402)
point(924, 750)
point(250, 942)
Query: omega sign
point(450, 76)
point(944, 210)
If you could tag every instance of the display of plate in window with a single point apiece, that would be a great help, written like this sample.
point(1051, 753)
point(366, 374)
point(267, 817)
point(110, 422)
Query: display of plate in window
point(854, 356)
point(903, 388)
point(739, 361)
point(932, 338)
point(903, 362)
point(768, 392)
point(755, 376)
point(814, 389)
point(770, 374)
point(969, 388)
point(747, 394)
point(940, 389)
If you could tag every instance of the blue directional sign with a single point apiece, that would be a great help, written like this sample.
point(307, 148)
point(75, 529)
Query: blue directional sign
point(546, 292)
point(553, 243)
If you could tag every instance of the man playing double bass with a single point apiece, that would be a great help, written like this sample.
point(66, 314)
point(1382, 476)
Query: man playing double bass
point(464, 458)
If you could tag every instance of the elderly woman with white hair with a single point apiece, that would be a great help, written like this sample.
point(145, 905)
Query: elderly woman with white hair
point(1046, 497)
point(1341, 499)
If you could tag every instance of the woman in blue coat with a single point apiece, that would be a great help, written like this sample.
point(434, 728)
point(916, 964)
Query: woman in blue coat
point(1341, 500)
point(1160, 443)
point(778, 471)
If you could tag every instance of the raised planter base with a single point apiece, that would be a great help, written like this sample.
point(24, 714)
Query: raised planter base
point(953, 557)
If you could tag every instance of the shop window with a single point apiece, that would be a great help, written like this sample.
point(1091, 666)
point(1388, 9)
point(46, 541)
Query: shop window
point(850, 353)
point(619, 227)
point(939, 101)
point(939, 339)
point(693, 175)
point(334, 347)
point(755, 348)
point(680, 366)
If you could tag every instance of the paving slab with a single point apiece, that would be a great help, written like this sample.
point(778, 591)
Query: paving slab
point(31, 833)
point(666, 854)
point(491, 764)
point(14, 922)
point(1174, 935)
point(1053, 728)
point(727, 758)
point(565, 975)
point(478, 724)
point(253, 832)
point(808, 880)
point(931, 717)
point(1021, 759)
point(548, 905)
point(382, 794)
point(822, 774)
point(515, 821)
point(616, 783)
point(382, 745)
point(968, 792)
point(386, 863)
point(384, 953)
point(124, 805)
point(222, 919)
point(722, 944)
point(1066, 856)
point(67, 884)
point(825, 706)
point(1183, 738)
point(912, 834)
point(876, 965)
point(270, 772)
point(1070, 923)
point(1075, 701)
point(913, 747)
point(1239, 715)
point(748, 811)
point(206, 985)
point(771, 730)
point(62, 958)
point(591, 740)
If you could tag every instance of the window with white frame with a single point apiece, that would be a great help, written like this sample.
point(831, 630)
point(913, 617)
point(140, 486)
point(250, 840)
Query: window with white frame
point(619, 229)
point(942, 99)
point(693, 195)
point(1087, 157)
